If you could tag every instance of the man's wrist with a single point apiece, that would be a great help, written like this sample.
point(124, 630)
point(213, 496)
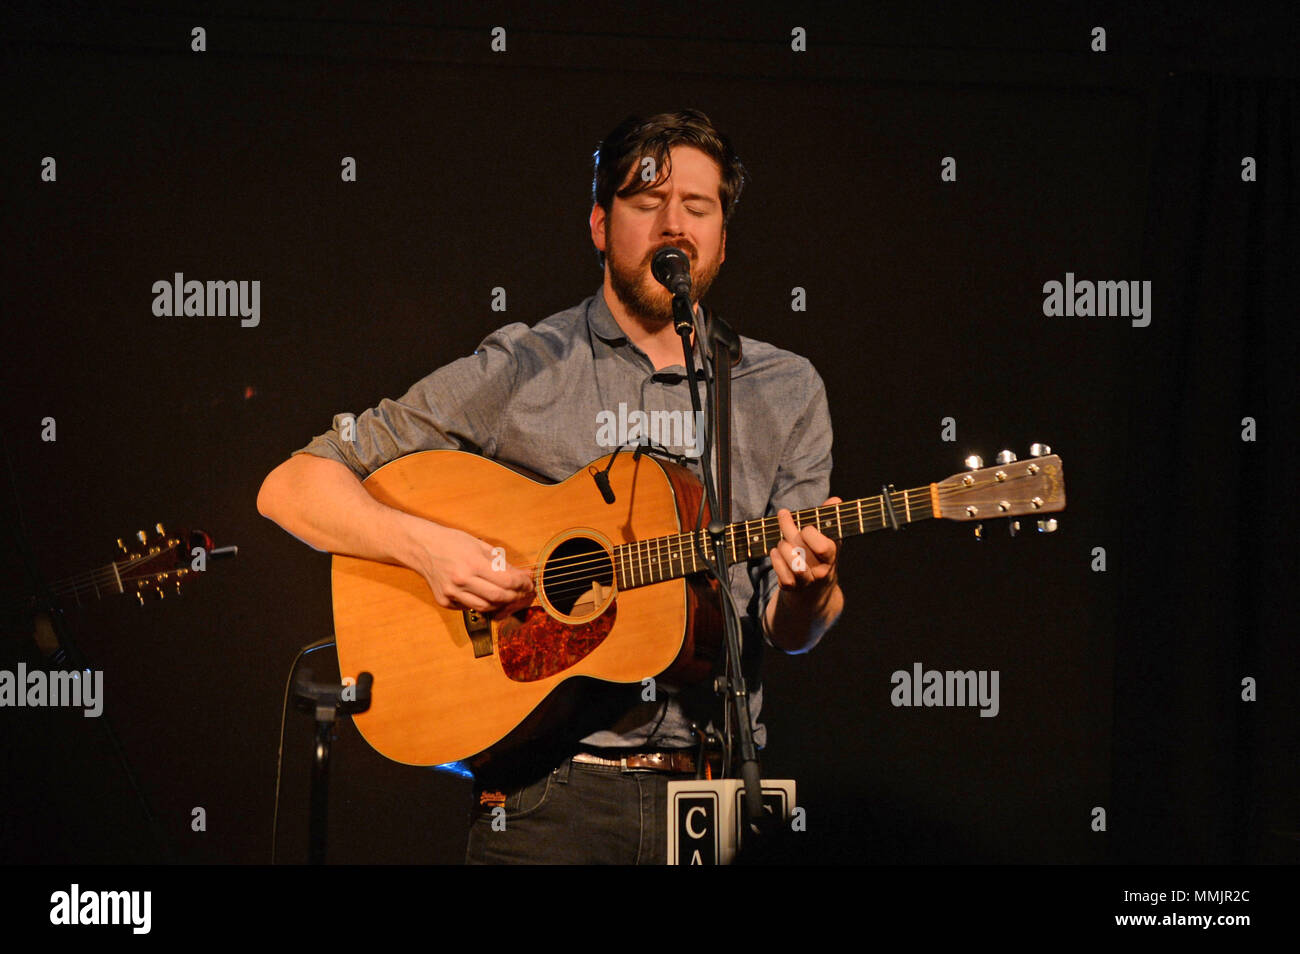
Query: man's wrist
point(814, 599)
point(795, 620)
point(409, 539)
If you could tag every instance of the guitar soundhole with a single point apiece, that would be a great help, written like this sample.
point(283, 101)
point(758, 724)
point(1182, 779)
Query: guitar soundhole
point(577, 590)
point(578, 579)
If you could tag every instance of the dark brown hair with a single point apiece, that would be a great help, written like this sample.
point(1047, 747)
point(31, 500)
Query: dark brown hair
point(635, 138)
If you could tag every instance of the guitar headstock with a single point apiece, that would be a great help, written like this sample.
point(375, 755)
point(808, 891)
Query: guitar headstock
point(158, 565)
point(1013, 488)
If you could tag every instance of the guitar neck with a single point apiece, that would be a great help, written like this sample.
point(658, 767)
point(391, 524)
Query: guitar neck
point(96, 583)
point(154, 567)
point(665, 558)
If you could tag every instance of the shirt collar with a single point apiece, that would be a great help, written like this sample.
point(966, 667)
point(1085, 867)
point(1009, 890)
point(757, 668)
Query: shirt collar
point(601, 319)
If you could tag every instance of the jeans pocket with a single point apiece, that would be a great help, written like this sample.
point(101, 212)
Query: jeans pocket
point(518, 802)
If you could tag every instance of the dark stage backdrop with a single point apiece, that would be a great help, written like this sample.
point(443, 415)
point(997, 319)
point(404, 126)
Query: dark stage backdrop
point(1145, 654)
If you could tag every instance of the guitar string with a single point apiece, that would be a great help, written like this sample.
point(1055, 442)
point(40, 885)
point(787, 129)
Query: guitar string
point(105, 578)
point(87, 581)
point(565, 572)
point(588, 564)
point(573, 568)
point(732, 541)
point(126, 564)
point(766, 524)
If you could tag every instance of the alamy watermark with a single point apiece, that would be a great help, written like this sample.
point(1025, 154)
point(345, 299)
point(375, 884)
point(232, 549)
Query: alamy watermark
point(933, 687)
point(670, 430)
point(208, 299)
point(103, 907)
point(40, 688)
point(1085, 298)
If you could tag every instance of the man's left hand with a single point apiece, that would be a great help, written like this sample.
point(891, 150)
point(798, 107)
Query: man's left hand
point(804, 560)
point(809, 599)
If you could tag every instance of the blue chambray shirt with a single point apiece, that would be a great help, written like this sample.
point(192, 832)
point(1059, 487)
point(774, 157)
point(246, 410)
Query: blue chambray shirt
point(544, 398)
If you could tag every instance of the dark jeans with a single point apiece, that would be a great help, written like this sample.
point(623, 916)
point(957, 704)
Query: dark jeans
point(577, 814)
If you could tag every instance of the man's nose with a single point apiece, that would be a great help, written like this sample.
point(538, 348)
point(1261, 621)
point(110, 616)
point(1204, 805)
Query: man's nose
point(674, 219)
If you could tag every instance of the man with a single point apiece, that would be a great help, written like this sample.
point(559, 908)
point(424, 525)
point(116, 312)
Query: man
point(535, 397)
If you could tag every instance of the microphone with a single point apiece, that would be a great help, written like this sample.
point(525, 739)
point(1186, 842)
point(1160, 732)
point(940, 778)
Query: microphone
point(671, 268)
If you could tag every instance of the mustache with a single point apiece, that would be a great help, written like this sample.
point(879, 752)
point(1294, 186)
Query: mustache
point(683, 245)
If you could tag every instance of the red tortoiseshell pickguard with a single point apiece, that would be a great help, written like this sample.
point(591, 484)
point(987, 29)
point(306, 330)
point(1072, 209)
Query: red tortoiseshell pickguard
point(541, 645)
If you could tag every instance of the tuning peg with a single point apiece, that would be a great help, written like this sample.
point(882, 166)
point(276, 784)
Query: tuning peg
point(1014, 526)
point(979, 532)
point(159, 528)
point(1039, 450)
point(139, 596)
point(1006, 457)
point(974, 461)
point(1048, 526)
point(122, 546)
point(141, 536)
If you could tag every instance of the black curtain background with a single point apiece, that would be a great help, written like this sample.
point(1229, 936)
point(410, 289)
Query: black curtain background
point(1121, 689)
point(1208, 598)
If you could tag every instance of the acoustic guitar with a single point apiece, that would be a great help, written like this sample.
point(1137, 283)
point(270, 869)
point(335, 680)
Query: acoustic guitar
point(150, 569)
point(619, 595)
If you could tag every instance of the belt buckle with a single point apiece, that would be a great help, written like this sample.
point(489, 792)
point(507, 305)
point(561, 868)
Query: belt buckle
point(649, 762)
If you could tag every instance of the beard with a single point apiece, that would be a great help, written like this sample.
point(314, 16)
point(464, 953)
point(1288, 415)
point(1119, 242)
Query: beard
point(642, 296)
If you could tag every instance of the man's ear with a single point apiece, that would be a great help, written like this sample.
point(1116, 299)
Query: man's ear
point(598, 227)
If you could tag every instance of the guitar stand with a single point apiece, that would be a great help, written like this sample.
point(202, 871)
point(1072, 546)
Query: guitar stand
point(326, 700)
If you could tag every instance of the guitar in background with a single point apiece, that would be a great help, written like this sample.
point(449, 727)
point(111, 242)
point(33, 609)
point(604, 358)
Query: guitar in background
point(152, 568)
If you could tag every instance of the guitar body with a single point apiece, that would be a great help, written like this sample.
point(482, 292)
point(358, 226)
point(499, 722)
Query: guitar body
point(620, 593)
point(450, 685)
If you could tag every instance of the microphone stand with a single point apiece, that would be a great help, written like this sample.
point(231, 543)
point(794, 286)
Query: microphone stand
point(736, 689)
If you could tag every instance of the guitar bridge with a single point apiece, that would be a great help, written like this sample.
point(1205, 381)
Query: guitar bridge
point(479, 629)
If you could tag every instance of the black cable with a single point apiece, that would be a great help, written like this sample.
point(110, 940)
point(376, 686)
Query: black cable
point(663, 711)
point(284, 714)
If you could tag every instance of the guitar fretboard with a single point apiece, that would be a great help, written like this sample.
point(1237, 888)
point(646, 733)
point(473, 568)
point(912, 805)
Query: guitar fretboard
point(96, 583)
point(656, 559)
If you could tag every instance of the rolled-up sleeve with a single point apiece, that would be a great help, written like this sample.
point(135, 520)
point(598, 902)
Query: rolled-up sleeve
point(457, 407)
point(803, 477)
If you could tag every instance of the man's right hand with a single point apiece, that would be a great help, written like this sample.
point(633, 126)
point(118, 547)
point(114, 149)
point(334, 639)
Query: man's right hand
point(458, 569)
point(321, 502)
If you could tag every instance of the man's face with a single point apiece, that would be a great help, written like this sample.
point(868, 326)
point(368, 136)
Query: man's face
point(683, 211)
